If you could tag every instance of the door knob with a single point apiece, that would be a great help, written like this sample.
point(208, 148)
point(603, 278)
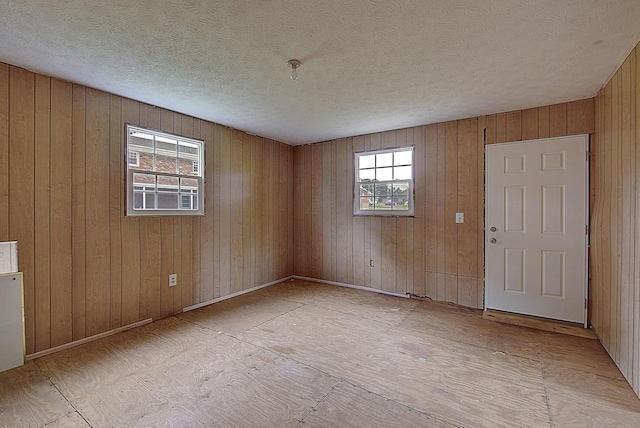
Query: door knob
point(492, 240)
point(493, 229)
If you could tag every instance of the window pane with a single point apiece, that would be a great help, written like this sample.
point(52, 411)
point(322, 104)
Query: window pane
point(149, 201)
point(384, 174)
point(382, 195)
point(167, 184)
point(145, 179)
point(367, 203)
point(401, 189)
point(189, 150)
point(383, 189)
point(401, 172)
point(188, 184)
point(367, 161)
point(187, 167)
point(137, 200)
point(164, 143)
point(167, 201)
point(367, 175)
point(141, 138)
point(185, 202)
point(402, 158)
point(367, 189)
point(400, 203)
point(145, 161)
point(367, 200)
point(143, 145)
point(384, 159)
point(166, 164)
point(189, 159)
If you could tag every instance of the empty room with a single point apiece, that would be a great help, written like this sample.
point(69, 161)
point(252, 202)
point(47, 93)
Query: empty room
point(357, 213)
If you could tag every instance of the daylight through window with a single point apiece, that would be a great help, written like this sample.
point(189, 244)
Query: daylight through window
point(163, 174)
point(384, 182)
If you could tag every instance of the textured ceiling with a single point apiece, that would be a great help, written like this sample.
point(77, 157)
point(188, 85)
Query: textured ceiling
point(367, 65)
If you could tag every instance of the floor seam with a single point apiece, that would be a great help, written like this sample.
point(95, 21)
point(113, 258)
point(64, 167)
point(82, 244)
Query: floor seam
point(339, 379)
point(347, 381)
point(546, 395)
point(474, 345)
point(393, 400)
point(301, 420)
point(252, 327)
point(374, 319)
point(277, 316)
point(61, 394)
point(289, 357)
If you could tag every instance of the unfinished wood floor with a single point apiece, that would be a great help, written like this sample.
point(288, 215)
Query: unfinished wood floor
point(314, 355)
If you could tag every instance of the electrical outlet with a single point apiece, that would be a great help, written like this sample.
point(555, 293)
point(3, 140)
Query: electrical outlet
point(173, 280)
point(371, 263)
point(459, 217)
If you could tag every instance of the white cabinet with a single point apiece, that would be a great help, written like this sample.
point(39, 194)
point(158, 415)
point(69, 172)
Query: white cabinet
point(9, 257)
point(11, 321)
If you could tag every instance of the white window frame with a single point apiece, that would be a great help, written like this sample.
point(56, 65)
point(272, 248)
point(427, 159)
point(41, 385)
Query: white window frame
point(152, 190)
point(196, 167)
point(357, 210)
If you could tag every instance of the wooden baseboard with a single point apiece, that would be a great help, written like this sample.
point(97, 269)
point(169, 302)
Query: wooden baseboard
point(357, 287)
point(239, 293)
point(86, 340)
point(539, 323)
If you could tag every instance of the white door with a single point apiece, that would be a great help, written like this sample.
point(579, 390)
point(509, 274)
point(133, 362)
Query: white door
point(536, 228)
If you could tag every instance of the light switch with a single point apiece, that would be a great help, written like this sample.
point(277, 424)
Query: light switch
point(459, 217)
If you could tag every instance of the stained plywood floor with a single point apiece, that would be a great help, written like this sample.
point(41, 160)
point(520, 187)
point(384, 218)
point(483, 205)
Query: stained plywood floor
point(313, 355)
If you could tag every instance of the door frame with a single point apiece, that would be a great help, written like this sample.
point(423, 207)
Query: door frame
point(587, 147)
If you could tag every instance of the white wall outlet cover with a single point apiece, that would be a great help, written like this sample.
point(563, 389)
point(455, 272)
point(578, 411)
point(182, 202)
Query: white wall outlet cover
point(459, 217)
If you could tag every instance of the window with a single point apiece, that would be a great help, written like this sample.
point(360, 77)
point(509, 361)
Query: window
point(163, 174)
point(384, 182)
point(133, 159)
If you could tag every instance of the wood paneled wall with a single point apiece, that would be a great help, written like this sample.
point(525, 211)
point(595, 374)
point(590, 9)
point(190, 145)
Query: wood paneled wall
point(429, 254)
point(88, 268)
point(615, 219)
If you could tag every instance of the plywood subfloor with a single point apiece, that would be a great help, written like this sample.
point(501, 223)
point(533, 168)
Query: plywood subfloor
point(302, 354)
